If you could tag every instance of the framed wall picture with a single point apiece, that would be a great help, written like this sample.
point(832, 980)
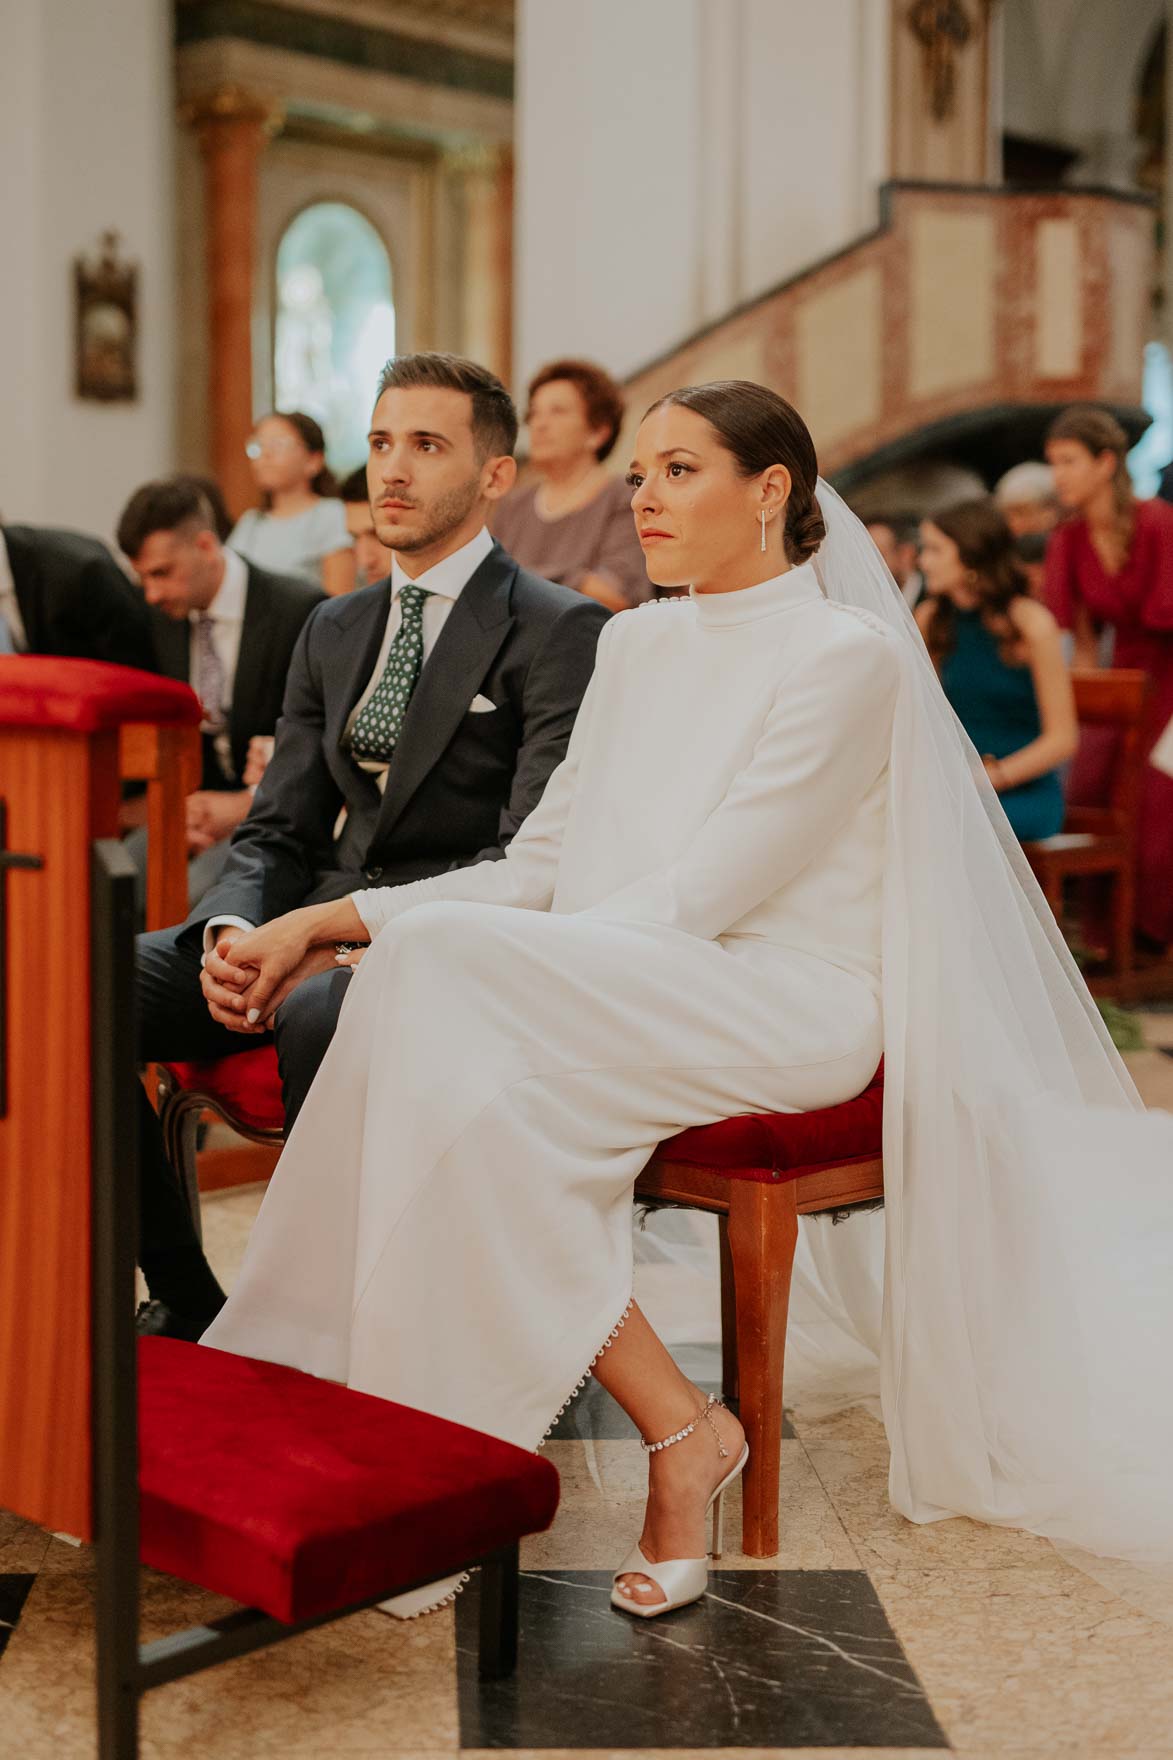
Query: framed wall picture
point(106, 336)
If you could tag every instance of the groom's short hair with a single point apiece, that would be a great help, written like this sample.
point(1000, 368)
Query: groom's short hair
point(494, 417)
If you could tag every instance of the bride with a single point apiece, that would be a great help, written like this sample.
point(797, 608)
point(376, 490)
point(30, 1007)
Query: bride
point(769, 855)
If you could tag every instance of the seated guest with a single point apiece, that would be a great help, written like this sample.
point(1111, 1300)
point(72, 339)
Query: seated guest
point(372, 563)
point(226, 627)
point(1026, 499)
point(432, 707)
point(1000, 658)
point(1031, 551)
point(62, 593)
point(895, 536)
point(300, 527)
point(212, 493)
point(575, 524)
point(372, 559)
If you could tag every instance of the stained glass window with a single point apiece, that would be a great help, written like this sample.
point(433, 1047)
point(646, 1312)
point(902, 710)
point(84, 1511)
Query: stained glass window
point(335, 324)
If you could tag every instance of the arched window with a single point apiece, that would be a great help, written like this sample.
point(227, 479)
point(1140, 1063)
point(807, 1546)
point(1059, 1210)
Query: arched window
point(1154, 449)
point(335, 324)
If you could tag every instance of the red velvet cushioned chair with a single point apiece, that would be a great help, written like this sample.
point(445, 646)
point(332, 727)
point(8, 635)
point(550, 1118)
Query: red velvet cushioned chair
point(758, 1173)
point(244, 1090)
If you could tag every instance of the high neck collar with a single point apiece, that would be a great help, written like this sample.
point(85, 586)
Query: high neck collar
point(782, 592)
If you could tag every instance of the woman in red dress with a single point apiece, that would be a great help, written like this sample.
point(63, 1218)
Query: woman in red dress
point(1111, 563)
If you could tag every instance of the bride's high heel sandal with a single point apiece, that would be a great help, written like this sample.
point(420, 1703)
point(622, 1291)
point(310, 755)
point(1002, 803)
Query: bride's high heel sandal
point(680, 1580)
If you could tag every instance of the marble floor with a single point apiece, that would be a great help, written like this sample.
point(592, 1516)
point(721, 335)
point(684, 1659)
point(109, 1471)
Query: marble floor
point(866, 1636)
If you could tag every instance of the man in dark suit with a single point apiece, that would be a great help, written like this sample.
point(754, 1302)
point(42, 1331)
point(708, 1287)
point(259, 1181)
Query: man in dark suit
point(223, 626)
point(422, 720)
point(62, 593)
point(897, 538)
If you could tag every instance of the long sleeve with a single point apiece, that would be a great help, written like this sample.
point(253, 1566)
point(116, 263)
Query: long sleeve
point(1155, 566)
point(525, 876)
point(824, 743)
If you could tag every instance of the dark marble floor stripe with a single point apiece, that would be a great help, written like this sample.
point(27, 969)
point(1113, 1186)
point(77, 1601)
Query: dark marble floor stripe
point(769, 1659)
point(14, 1589)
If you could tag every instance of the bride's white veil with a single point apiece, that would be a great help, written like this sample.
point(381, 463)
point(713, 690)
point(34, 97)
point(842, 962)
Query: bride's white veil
point(1028, 1229)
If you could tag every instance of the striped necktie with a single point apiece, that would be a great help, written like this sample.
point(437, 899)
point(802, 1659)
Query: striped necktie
point(210, 686)
point(379, 723)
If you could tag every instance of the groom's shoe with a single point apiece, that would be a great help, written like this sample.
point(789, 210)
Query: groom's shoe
point(157, 1320)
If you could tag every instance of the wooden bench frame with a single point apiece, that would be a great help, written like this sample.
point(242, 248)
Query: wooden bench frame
point(758, 1224)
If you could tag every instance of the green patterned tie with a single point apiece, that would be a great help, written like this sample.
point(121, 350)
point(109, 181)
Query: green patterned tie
point(377, 727)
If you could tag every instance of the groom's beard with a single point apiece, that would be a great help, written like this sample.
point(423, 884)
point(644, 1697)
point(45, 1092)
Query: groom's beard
point(445, 515)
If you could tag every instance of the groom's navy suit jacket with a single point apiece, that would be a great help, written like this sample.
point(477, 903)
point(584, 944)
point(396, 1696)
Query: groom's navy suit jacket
point(460, 783)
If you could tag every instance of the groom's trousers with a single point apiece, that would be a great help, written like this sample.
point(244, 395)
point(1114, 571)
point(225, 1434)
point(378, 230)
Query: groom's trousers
point(174, 1025)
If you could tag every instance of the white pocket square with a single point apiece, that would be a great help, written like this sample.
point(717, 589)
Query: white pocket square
point(480, 706)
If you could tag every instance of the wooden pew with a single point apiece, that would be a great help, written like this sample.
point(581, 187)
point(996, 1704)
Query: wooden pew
point(167, 759)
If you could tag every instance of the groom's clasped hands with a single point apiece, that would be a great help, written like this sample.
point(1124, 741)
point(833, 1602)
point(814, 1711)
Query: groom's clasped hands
point(249, 973)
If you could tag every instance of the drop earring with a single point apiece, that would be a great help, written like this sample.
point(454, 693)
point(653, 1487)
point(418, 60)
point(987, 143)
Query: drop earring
point(763, 528)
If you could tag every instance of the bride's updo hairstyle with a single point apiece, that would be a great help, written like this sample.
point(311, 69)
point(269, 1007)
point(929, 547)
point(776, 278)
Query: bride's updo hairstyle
point(759, 429)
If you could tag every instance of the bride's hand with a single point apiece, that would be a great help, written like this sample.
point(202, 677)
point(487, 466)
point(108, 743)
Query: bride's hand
point(318, 959)
point(274, 952)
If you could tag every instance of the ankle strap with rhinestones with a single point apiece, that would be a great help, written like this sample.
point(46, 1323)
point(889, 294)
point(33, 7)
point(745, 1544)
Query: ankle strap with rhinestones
point(679, 1435)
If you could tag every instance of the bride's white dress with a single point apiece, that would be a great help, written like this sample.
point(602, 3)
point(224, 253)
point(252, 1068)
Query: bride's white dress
point(687, 927)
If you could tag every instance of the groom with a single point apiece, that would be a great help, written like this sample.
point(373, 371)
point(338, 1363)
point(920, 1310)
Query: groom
point(422, 719)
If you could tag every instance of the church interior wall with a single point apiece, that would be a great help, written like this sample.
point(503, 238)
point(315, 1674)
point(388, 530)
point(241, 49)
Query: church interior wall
point(101, 160)
point(1071, 73)
point(779, 101)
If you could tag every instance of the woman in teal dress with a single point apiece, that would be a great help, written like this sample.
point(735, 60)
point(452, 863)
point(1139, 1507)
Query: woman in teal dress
point(999, 655)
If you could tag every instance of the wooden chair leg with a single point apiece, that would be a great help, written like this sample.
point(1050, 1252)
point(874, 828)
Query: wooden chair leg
point(763, 1233)
point(729, 1378)
point(181, 1125)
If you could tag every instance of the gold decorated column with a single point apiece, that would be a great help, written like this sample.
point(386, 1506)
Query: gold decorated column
point(232, 127)
point(487, 175)
point(942, 87)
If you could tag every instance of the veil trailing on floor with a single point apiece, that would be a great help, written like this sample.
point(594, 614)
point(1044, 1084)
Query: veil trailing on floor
point(1028, 1231)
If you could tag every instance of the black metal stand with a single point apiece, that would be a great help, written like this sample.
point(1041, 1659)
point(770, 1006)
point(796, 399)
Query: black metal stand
point(498, 1615)
point(114, 1161)
point(126, 1670)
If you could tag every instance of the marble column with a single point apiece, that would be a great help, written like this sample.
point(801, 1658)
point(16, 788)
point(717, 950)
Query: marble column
point(232, 127)
point(486, 174)
point(943, 91)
